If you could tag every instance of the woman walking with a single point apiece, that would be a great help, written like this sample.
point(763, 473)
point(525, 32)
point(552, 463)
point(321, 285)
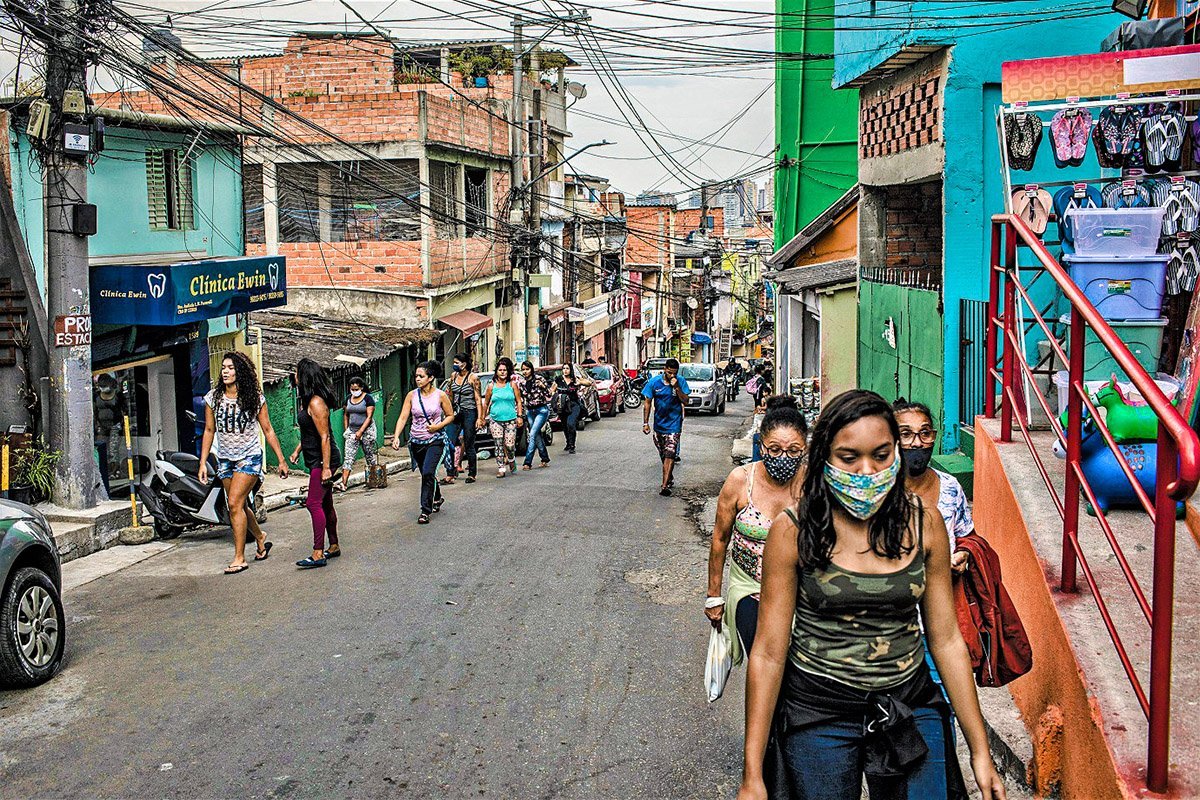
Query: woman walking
point(430, 411)
point(752, 496)
point(466, 400)
point(237, 410)
point(321, 458)
point(503, 409)
point(570, 386)
point(535, 394)
point(837, 675)
point(360, 428)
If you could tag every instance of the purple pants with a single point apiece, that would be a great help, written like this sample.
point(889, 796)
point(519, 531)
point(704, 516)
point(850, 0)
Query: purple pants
point(320, 505)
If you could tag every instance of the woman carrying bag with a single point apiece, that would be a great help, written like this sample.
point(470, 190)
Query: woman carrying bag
point(429, 409)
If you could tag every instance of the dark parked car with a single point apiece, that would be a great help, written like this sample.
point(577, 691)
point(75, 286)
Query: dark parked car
point(32, 624)
point(610, 388)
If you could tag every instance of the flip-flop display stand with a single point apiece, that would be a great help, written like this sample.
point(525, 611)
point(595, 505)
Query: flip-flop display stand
point(1118, 200)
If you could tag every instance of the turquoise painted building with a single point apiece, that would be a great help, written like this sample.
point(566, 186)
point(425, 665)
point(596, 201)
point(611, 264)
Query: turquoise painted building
point(928, 79)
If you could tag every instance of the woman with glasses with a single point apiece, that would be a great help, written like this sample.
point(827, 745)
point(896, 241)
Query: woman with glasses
point(754, 495)
point(936, 488)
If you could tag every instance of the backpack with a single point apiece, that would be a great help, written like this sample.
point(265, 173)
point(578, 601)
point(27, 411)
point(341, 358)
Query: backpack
point(752, 385)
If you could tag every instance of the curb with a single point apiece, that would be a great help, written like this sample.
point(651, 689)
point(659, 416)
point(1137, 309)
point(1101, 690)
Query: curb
point(282, 499)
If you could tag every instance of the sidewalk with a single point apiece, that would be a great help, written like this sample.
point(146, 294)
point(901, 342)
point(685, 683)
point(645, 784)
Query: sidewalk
point(279, 492)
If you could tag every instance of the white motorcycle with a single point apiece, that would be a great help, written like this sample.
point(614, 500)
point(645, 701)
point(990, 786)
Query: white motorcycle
point(178, 501)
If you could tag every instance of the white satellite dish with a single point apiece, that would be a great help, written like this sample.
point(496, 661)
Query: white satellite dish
point(576, 90)
point(692, 303)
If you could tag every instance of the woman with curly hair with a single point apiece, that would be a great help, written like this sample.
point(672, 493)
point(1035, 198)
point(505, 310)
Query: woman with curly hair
point(838, 688)
point(234, 411)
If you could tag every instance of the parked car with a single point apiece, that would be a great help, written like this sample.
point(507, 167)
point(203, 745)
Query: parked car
point(589, 395)
point(485, 445)
point(32, 624)
point(706, 385)
point(611, 386)
point(654, 366)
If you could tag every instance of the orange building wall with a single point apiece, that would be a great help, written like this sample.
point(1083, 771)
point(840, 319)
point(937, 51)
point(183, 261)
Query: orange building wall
point(1068, 745)
point(838, 241)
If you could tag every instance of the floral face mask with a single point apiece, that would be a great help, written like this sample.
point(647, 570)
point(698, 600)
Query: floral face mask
point(862, 495)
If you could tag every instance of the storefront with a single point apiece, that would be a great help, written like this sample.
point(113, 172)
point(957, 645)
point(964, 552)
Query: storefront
point(604, 326)
point(156, 332)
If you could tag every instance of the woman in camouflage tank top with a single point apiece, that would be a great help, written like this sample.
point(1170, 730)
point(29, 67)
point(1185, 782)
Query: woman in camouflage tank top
point(838, 690)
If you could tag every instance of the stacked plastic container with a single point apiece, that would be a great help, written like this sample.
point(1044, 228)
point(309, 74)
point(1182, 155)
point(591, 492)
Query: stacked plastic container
point(1116, 266)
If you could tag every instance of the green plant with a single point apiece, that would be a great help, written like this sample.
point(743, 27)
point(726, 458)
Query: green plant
point(34, 466)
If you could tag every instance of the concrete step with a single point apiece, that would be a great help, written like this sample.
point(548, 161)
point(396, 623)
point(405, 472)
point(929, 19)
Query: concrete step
point(81, 532)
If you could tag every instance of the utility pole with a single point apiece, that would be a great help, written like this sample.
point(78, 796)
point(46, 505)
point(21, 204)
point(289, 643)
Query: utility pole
point(67, 278)
point(519, 261)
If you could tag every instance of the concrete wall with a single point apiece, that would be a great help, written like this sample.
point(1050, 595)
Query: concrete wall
point(380, 307)
point(118, 188)
point(839, 340)
point(815, 126)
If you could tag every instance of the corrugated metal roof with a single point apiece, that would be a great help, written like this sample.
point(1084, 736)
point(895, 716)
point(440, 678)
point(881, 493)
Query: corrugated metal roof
point(816, 276)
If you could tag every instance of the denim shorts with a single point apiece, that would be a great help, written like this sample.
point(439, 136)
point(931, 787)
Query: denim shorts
point(250, 465)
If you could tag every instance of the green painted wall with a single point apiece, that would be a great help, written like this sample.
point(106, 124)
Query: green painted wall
point(918, 348)
point(839, 340)
point(816, 127)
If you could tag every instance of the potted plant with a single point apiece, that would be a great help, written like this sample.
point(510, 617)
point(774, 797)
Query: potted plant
point(32, 473)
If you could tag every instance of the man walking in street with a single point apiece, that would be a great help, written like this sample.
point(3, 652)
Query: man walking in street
point(667, 393)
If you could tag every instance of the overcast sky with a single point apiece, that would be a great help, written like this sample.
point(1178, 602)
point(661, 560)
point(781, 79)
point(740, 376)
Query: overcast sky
point(694, 102)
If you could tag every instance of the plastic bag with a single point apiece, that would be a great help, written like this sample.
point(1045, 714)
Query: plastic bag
point(718, 665)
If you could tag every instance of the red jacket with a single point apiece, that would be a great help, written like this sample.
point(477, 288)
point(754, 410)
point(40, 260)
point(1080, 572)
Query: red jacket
point(988, 619)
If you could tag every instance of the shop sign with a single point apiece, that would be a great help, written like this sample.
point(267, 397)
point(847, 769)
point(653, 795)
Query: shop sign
point(187, 292)
point(72, 330)
point(1156, 69)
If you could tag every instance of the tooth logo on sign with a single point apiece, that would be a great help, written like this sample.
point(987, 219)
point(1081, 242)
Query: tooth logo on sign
point(273, 274)
point(158, 284)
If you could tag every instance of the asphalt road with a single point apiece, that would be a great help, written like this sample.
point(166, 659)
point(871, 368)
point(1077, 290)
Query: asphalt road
point(543, 638)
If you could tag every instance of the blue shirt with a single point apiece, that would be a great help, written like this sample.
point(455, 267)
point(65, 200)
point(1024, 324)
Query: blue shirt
point(668, 409)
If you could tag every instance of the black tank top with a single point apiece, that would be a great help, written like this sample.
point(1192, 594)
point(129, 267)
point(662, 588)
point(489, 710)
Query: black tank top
point(310, 442)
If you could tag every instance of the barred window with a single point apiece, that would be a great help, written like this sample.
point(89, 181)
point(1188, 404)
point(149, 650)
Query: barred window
point(443, 198)
point(252, 203)
point(375, 201)
point(477, 205)
point(299, 204)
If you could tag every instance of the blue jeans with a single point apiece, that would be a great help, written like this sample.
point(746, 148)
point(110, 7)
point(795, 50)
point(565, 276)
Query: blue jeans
point(535, 420)
point(463, 425)
point(571, 423)
point(826, 760)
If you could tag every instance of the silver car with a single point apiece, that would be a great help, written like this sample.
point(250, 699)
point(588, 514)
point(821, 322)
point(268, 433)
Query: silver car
point(32, 624)
point(706, 387)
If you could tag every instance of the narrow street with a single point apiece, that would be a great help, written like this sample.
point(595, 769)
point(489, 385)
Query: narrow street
point(543, 638)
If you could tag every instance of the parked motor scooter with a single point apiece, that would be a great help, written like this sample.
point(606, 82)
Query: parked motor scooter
point(633, 391)
point(178, 501)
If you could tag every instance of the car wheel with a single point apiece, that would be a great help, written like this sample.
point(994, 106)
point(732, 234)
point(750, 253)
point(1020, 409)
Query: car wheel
point(32, 629)
point(548, 435)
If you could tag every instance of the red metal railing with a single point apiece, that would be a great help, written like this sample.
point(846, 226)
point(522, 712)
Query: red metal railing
point(1178, 459)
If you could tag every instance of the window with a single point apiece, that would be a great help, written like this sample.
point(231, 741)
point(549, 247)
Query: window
point(476, 184)
point(375, 201)
point(299, 206)
point(443, 198)
point(169, 189)
point(252, 203)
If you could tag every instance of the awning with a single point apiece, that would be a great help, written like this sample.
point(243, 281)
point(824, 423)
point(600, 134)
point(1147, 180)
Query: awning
point(699, 337)
point(189, 291)
point(468, 321)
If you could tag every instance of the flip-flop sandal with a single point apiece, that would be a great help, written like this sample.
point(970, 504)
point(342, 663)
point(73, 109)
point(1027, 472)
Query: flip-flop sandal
point(1116, 132)
point(1183, 267)
point(1116, 195)
point(1068, 198)
point(265, 554)
point(234, 570)
point(1154, 142)
point(1069, 131)
point(1022, 135)
point(437, 504)
point(1176, 128)
point(423, 519)
point(1032, 207)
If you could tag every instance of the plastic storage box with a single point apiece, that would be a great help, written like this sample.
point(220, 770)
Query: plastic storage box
point(1142, 337)
point(1121, 287)
point(1169, 387)
point(1115, 231)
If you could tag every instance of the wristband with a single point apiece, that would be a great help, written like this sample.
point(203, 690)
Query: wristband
point(714, 602)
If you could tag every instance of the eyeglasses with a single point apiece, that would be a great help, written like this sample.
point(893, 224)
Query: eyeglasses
point(925, 436)
point(776, 451)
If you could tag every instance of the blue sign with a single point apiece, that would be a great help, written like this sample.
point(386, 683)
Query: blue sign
point(187, 292)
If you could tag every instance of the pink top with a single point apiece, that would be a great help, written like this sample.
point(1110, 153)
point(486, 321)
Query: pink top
point(426, 411)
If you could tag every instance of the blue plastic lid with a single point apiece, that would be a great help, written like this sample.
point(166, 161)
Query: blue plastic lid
point(1074, 258)
point(1161, 322)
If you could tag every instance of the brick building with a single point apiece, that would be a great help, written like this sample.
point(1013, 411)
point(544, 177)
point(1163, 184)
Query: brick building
point(402, 215)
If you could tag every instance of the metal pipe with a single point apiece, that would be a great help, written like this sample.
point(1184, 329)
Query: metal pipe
point(1163, 590)
point(1074, 451)
point(989, 382)
point(1010, 316)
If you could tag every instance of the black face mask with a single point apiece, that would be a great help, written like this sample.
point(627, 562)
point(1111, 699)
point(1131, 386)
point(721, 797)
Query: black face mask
point(916, 460)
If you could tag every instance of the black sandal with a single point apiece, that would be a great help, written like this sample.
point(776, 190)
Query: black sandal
point(265, 554)
point(423, 519)
point(437, 504)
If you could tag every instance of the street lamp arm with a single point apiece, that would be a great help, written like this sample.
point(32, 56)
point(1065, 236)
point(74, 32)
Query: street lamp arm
point(556, 165)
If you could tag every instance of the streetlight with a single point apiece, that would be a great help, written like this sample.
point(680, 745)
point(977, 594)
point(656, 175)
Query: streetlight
point(556, 165)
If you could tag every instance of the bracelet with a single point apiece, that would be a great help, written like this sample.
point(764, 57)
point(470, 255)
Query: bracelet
point(714, 602)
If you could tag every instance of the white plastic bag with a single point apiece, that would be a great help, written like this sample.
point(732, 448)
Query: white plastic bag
point(718, 665)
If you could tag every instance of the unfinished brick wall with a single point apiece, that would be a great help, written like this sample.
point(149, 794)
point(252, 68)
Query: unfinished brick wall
point(375, 265)
point(689, 219)
point(651, 229)
point(902, 116)
point(913, 229)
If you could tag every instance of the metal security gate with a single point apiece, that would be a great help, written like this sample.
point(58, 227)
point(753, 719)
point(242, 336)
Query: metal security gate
point(972, 327)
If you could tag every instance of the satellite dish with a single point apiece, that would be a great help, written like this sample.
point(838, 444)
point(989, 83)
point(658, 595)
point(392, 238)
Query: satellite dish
point(692, 303)
point(576, 90)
